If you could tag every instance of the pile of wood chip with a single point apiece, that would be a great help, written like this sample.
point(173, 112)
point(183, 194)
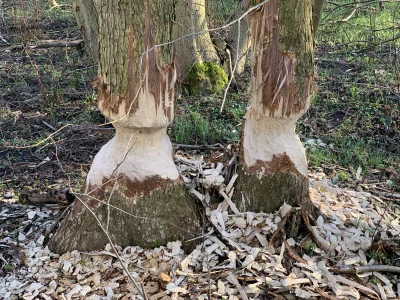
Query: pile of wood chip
point(237, 259)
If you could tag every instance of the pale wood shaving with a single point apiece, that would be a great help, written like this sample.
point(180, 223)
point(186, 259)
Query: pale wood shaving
point(235, 260)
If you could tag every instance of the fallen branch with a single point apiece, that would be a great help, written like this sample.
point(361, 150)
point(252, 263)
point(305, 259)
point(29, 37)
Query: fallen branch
point(293, 254)
point(48, 44)
point(211, 147)
point(280, 226)
point(363, 269)
point(317, 239)
point(385, 194)
point(325, 295)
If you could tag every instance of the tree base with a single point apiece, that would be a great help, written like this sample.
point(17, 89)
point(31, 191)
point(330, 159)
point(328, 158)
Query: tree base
point(267, 193)
point(163, 215)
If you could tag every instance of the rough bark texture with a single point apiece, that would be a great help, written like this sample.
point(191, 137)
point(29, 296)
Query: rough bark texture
point(191, 18)
point(242, 45)
point(273, 161)
point(87, 18)
point(135, 170)
point(155, 219)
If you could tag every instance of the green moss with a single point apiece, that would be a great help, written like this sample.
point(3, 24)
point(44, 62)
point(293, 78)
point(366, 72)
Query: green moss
point(206, 78)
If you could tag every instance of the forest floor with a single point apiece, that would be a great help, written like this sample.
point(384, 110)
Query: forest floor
point(49, 127)
point(352, 251)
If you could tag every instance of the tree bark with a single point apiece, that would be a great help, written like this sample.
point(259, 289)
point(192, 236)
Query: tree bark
point(318, 7)
point(190, 19)
point(87, 18)
point(241, 45)
point(273, 160)
point(135, 171)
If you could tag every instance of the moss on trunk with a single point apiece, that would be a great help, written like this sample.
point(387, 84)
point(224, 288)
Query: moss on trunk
point(161, 216)
point(190, 18)
point(268, 193)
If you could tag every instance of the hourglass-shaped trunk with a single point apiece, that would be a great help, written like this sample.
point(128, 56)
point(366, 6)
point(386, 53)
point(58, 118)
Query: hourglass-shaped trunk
point(273, 161)
point(133, 185)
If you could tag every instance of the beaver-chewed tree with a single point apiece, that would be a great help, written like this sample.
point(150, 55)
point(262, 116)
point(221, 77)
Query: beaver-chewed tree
point(133, 185)
point(273, 161)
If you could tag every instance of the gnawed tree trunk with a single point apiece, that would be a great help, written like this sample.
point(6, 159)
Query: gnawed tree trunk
point(134, 171)
point(191, 18)
point(273, 160)
point(87, 18)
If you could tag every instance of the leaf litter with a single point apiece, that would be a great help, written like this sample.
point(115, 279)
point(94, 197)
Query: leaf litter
point(244, 255)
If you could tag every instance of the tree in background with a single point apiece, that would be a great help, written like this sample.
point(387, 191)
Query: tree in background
point(273, 161)
point(318, 7)
point(135, 171)
point(197, 48)
point(87, 18)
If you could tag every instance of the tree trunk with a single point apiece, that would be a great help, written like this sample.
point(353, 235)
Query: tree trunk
point(191, 18)
point(242, 45)
point(273, 160)
point(87, 18)
point(318, 7)
point(135, 171)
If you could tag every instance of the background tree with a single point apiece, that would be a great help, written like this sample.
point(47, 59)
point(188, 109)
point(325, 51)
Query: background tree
point(190, 19)
point(273, 161)
point(88, 23)
point(238, 39)
point(318, 7)
point(135, 170)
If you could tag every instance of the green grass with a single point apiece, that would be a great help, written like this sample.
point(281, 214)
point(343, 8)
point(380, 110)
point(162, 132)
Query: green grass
point(198, 120)
point(356, 110)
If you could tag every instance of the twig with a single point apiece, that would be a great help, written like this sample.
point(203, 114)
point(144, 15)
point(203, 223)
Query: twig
point(211, 147)
point(325, 295)
point(116, 178)
point(142, 293)
point(48, 125)
point(202, 32)
point(46, 236)
point(363, 269)
point(385, 194)
point(293, 254)
point(380, 221)
point(317, 239)
point(234, 68)
point(280, 226)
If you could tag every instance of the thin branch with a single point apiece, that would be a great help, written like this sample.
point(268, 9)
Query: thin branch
point(203, 31)
point(129, 214)
point(364, 269)
point(211, 147)
point(234, 68)
point(114, 249)
point(116, 180)
point(140, 68)
point(48, 44)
